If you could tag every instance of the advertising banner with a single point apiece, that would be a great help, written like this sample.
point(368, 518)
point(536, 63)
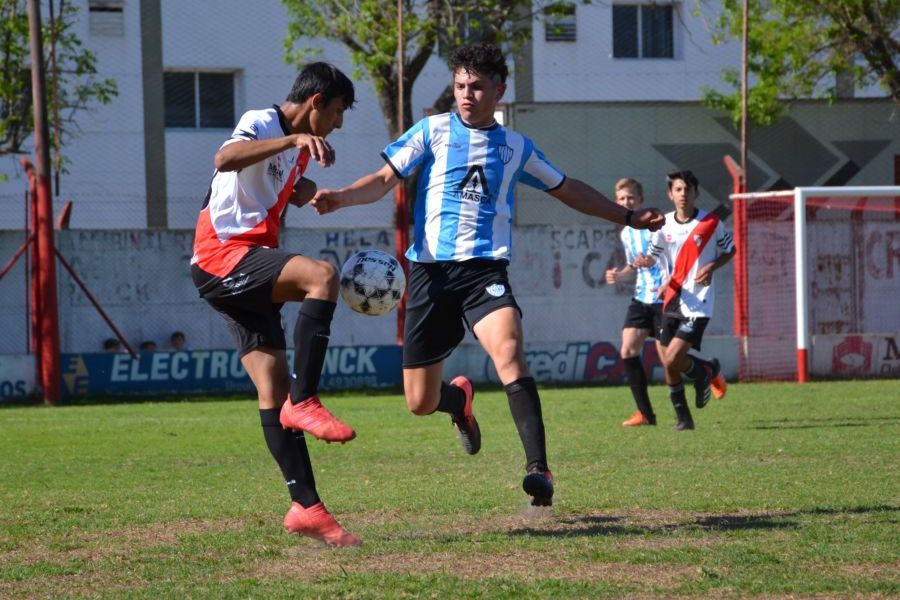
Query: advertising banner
point(214, 371)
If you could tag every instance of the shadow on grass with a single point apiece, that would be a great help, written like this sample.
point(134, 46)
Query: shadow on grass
point(647, 523)
point(827, 422)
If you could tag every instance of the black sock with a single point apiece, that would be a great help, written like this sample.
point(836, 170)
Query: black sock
point(695, 371)
point(452, 400)
point(311, 333)
point(637, 379)
point(289, 451)
point(525, 406)
point(679, 403)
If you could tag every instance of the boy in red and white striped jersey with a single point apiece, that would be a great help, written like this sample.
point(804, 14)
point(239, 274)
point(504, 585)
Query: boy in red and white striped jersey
point(239, 270)
point(695, 244)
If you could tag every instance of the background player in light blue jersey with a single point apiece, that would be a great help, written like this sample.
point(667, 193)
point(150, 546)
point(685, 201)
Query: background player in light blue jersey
point(468, 166)
point(645, 311)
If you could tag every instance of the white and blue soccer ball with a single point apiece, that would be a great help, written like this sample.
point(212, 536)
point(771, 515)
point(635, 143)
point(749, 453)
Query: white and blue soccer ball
point(372, 282)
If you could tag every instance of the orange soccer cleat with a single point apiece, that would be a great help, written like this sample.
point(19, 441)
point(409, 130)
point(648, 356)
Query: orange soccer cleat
point(467, 428)
point(636, 420)
point(316, 522)
point(311, 416)
point(718, 386)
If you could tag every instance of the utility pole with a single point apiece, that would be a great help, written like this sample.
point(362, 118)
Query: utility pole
point(48, 353)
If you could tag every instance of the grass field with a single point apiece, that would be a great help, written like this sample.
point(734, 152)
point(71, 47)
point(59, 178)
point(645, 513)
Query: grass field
point(782, 491)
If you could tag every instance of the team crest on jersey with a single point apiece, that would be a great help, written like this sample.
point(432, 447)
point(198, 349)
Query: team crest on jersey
point(496, 289)
point(505, 152)
point(698, 240)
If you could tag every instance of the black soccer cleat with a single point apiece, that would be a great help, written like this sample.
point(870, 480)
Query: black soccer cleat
point(467, 429)
point(702, 384)
point(538, 484)
point(683, 425)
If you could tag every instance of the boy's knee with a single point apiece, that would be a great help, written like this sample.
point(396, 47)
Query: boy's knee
point(325, 279)
point(627, 353)
point(419, 405)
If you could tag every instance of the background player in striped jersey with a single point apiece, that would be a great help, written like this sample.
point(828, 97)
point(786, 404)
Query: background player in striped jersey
point(645, 311)
point(695, 244)
point(239, 270)
point(468, 167)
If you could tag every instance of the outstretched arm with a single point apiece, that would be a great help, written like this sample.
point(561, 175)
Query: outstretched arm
point(365, 190)
point(576, 194)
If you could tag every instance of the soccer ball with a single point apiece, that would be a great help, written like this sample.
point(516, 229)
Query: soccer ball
point(372, 282)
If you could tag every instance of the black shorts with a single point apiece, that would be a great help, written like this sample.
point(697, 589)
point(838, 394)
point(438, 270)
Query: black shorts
point(445, 298)
point(688, 329)
point(244, 298)
point(643, 316)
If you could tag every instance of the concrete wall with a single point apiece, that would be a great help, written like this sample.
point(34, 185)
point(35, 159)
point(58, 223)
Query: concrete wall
point(849, 143)
point(142, 279)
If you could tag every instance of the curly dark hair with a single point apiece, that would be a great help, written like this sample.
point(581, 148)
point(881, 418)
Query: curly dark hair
point(485, 59)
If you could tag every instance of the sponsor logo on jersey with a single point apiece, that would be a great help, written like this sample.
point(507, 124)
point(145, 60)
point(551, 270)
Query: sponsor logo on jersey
point(474, 187)
point(496, 289)
point(505, 152)
point(275, 171)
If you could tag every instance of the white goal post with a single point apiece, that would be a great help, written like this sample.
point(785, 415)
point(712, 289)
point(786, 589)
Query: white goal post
point(762, 223)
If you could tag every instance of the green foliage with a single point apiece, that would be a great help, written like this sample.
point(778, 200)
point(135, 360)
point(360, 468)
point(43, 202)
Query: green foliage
point(368, 29)
point(71, 86)
point(783, 491)
point(797, 47)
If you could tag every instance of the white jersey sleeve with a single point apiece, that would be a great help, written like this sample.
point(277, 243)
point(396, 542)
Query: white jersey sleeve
point(724, 241)
point(409, 150)
point(539, 173)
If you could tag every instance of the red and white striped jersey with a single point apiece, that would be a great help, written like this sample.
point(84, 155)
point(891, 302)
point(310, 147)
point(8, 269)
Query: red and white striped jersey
point(243, 208)
point(687, 247)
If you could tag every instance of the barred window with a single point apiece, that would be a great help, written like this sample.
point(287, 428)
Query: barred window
point(643, 31)
point(559, 22)
point(199, 100)
point(106, 18)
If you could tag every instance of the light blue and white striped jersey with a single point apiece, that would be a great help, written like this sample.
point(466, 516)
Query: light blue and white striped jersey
point(464, 198)
point(649, 279)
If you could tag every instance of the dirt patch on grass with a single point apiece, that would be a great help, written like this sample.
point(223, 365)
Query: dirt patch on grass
point(86, 563)
point(96, 546)
point(524, 565)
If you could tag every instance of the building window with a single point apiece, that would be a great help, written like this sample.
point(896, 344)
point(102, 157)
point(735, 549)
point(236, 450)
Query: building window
point(559, 22)
point(643, 31)
point(106, 18)
point(199, 100)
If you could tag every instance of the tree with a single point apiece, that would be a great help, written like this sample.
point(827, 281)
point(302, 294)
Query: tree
point(368, 28)
point(797, 47)
point(70, 69)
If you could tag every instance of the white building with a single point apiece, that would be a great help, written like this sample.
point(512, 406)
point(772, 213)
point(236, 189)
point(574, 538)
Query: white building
point(211, 49)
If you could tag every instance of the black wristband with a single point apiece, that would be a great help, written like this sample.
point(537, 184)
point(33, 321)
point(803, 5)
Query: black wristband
point(628, 216)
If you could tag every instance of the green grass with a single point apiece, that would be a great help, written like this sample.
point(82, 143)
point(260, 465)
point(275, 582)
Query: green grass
point(783, 490)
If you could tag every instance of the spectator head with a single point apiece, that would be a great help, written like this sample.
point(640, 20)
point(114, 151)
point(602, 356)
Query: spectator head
point(177, 340)
point(112, 345)
point(148, 346)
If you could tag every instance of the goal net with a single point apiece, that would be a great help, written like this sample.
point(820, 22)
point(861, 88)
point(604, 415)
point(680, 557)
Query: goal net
point(817, 281)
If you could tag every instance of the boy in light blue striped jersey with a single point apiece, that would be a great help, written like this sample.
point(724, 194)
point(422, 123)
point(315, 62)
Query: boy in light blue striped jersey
point(645, 311)
point(468, 167)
